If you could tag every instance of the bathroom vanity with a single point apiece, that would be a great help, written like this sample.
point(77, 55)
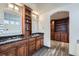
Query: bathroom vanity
point(14, 23)
point(23, 46)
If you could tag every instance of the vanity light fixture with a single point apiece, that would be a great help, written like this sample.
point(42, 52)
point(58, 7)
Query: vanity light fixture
point(10, 5)
point(16, 8)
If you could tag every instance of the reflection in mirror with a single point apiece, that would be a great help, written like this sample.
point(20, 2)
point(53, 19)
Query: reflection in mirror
point(16, 8)
point(6, 22)
point(11, 22)
point(17, 23)
point(10, 5)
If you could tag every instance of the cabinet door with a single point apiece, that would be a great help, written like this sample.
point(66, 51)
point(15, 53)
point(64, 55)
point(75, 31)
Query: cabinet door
point(41, 42)
point(32, 46)
point(31, 50)
point(38, 44)
point(57, 36)
point(22, 50)
point(10, 52)
point(64, 37)
point(2, 54)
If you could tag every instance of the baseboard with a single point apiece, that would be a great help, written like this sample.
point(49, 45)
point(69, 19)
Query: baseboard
point(47, 47)
point(71, 55)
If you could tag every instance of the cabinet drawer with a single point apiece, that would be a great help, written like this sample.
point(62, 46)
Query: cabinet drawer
point(33, 46)
point(32, 43)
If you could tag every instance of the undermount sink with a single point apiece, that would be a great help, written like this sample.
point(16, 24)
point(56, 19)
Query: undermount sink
point(35, 35)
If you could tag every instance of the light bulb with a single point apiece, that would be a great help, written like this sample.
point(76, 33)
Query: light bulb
point(10, 5)
point(16, 8)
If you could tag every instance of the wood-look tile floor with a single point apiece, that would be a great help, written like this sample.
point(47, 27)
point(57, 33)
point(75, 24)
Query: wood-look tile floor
point(57, 49)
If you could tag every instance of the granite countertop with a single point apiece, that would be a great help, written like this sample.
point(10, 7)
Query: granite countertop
point(10, 41)
point(14, 39)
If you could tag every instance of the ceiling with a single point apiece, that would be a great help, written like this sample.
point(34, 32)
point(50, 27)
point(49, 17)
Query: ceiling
point(44, 7)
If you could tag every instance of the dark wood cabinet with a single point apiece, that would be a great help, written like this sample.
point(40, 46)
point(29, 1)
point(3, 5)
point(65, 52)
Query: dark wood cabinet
point(22, 50)
point(32, 46)
point(60, 30)
point(57, 36)
point(3, 54)
point(19, 48)
point(26, 21)
point(64, 37)
point(52, 30)
point(10, 52)
point(35, 44)
point(38, 44)
point(24, 47)
point(42, 42)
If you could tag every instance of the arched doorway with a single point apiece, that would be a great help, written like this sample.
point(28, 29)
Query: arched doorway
point(59, 25)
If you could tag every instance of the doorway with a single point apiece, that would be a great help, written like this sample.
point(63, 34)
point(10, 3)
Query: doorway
point(59, 31)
